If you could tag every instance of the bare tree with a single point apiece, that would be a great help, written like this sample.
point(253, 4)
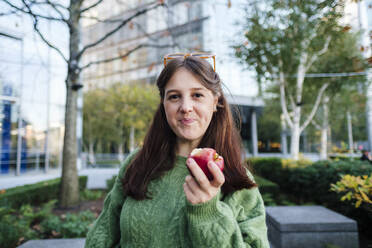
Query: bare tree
point(71, 15)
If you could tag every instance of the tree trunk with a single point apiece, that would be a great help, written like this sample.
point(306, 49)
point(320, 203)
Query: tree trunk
point(283, 135)
point(70, 183)
point(324, 130)
point(350, 132)
point(69, 195)
point(295, 133)
point(121, 153)
point(131, 139)
point(91, 157)
point(369, 112)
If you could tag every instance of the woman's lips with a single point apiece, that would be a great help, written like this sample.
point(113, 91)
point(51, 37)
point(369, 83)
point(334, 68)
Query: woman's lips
point(187, 121)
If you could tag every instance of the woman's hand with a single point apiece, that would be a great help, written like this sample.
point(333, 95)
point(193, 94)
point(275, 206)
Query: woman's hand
point(199, 189)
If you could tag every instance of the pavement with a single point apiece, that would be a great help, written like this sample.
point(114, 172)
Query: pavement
point(60, 243)
point(96, 177)
point(54, 243)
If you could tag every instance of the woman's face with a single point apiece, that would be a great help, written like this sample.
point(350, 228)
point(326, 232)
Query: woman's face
point(188, 106)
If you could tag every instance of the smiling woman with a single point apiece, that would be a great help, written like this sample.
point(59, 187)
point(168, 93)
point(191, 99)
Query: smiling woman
point(189, 107)
point(154, 187)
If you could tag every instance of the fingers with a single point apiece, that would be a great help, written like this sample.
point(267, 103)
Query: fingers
point(218, 177)
point(189, 195)
point(194, 193)
point(193, 185)
point(199, 175)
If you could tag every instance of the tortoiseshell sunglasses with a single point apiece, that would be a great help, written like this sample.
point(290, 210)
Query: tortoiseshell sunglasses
point(201, 55)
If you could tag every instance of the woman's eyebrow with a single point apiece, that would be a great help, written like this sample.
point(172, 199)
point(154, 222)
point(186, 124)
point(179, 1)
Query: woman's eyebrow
point(171, 91)
point(176, 91)
point(195, 89)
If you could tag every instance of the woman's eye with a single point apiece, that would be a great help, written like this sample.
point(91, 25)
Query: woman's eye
point(172, 97)
point(198, 95)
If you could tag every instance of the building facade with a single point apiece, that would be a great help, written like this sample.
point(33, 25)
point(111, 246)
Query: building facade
point(182, 26)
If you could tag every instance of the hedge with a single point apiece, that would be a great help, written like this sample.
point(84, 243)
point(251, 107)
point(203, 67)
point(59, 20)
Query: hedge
point(311, 183)
point(266, 186)
point(35, 194)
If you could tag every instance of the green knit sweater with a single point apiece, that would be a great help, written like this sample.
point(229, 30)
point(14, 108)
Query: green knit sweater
point(169, 220)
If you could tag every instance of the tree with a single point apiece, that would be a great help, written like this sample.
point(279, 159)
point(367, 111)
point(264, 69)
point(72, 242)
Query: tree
point(284, 38)
point(337, 101)
point(118, 115)
point(95, 120)
point(70, 16)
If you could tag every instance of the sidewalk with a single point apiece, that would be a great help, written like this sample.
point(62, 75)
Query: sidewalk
point(96, 177)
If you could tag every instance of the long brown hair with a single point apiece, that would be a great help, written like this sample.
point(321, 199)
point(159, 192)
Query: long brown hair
point(158, 152)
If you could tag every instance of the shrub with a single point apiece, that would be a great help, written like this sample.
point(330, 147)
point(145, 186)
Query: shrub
point(22, 225)
point(68, 226)
point(312, 183)
point(91, 194)
point(266, 186)
point(309, 182)
point(291, 163)
point(355, 188)
point(266, 167)
point(35, 194)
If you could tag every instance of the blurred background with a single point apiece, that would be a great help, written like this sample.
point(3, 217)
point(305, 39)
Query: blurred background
point(123, 44)
point(78, 92)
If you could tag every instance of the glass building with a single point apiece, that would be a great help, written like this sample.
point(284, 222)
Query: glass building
point(32, 99)
point(184, 26)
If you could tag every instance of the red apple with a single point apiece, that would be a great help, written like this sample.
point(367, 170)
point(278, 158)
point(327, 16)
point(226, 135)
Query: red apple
point(203, 155)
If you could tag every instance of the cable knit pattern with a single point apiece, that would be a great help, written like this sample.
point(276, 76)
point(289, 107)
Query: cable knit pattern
point(169, 220)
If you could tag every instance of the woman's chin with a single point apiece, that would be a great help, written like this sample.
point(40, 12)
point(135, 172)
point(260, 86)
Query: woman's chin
point(188, 138)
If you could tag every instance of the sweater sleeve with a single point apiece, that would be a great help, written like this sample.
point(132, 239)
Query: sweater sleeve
point(105, 231)
point(238, 221)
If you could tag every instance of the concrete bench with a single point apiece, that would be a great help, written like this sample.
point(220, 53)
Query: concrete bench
point(310, 227)
point(54, 243)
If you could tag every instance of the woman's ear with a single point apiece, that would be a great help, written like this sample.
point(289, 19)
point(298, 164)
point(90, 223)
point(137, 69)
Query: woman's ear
point(215, 102)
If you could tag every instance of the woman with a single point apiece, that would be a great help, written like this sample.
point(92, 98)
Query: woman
point(155, 202)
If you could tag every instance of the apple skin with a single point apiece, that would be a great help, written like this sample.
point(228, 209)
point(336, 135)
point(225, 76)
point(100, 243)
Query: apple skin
point(202, 156)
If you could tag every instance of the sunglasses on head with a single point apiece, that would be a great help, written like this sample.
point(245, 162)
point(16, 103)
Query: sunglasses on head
point(200, 55)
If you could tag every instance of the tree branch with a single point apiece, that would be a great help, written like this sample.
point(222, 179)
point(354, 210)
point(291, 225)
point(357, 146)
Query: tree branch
point(315, 107)
point(124, 55)
point(47, 2)
point(317, 54)
point(35, 17)
point(293, 105)
point(9, 13)
point(91, 6)
point(107, 35)
point(28, 11)
point(54, 6)
point(317, 126)
point(101, 20)
point(283, 102)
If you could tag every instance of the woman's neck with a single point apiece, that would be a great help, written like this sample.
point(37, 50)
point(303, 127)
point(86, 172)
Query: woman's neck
point(185, 147)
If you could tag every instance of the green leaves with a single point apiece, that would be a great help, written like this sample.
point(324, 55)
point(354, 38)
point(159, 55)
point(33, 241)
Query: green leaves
point(354, 188)
point(110, 113)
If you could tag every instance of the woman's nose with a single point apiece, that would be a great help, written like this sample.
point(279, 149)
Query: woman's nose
point(186, 106)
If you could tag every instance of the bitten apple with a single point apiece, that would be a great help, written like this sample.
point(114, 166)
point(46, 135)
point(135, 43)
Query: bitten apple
point(203, 155)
